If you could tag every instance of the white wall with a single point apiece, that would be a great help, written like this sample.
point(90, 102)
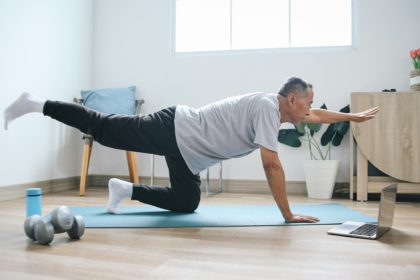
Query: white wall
point(46, 49)
point(132, 42)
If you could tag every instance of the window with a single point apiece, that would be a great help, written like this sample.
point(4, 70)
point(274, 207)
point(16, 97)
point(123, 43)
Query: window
point(216, 25)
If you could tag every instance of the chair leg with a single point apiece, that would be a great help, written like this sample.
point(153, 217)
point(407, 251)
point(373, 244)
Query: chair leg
point(87, 151)
point(132, 167)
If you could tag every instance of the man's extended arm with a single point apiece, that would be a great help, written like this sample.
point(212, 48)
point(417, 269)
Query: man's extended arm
point(326, 116)
point(276, 180)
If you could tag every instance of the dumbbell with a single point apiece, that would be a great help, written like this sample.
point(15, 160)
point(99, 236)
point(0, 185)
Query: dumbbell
point(39, 229)
point(64, 221)
point(61, 219)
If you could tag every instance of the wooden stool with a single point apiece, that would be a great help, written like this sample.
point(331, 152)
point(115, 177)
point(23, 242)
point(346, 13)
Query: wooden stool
point(87, 151)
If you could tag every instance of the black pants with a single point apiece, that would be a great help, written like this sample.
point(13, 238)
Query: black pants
point(152, 134)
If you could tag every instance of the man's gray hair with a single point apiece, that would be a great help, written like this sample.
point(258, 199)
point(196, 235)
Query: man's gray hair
point(293, 84)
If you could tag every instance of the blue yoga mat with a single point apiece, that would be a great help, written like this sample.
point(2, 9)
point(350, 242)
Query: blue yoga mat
point(214, 216)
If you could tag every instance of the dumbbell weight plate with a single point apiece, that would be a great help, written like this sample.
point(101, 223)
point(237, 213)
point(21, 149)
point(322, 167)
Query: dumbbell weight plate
point(29, 225)
point(44, 232)
point(62, 219)
point(78, 228)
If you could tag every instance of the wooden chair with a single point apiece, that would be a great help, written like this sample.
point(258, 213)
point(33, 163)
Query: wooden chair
point(87, 151)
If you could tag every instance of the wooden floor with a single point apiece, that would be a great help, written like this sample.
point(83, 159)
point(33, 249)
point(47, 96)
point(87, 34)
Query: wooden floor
point(285, 252)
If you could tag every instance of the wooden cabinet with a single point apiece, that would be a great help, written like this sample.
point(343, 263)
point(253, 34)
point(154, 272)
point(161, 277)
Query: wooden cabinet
point(390, 141)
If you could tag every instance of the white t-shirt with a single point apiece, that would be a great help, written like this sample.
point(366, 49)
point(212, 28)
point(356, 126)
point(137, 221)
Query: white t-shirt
point(230, 128)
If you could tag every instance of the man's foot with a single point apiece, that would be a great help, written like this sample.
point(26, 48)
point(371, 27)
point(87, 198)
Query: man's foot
point(118, 190)
point(26, 103)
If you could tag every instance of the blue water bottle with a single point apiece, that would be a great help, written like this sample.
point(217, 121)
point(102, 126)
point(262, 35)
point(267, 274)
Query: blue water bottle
point(33, 201)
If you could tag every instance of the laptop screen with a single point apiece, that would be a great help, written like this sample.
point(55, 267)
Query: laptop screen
point(386, 207)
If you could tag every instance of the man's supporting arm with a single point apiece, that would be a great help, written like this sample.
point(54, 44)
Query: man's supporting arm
point(276, 180)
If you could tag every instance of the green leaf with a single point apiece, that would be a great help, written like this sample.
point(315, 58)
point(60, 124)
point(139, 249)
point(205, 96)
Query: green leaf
point(314, 127)
point(339, 128)
point(342, 127)
point(300, 127)
point(300, 133)
point(337, 140)
point(289, 137)
point(345, 109)
point(328, 135)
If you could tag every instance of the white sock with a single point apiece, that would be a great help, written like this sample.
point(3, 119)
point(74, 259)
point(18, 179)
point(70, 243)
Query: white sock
point(25, 103)
point(118, 190)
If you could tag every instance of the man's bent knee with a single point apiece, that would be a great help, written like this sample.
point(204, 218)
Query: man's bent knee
point(188, 206)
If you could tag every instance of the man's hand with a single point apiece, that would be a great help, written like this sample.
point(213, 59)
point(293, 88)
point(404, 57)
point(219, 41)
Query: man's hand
point(298, 218)
point(365, 115)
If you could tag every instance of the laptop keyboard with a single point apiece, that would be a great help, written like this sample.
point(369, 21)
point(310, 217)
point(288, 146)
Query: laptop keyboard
point(366, 230)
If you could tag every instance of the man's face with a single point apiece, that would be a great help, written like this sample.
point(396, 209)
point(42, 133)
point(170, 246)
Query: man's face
point(301, 105)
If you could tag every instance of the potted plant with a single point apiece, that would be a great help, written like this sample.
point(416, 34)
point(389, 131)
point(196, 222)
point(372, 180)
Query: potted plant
point(415, 73)
point(320, 171)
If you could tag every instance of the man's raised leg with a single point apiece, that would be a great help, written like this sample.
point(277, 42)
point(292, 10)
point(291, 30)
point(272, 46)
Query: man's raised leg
point(24, 104)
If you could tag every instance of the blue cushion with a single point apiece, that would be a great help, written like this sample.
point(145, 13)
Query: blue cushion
point(111, 100)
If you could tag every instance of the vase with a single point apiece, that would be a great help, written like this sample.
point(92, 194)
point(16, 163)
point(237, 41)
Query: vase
point(415, 79)
point(320, 177)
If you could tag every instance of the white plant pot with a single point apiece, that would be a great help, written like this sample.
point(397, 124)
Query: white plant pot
point(320, 177)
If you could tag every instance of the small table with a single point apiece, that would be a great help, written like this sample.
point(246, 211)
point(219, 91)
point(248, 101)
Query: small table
point(390, 141)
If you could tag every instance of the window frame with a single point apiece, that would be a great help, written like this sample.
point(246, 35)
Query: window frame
point(174, 53)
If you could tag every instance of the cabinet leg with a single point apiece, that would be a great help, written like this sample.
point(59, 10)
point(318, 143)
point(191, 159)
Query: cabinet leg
point(351, 150)
point(362, 176)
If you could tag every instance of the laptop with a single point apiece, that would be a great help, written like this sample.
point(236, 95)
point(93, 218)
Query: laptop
point(372, 230)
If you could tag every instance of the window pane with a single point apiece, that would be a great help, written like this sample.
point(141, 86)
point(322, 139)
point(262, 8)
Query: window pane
point(202, 25)
point(260, 24)
point(320, 23)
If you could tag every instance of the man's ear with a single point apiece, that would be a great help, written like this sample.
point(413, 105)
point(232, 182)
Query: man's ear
point(291, 98)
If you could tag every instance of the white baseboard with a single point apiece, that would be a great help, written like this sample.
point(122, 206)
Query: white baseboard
point(47, 186)
point(231, 186)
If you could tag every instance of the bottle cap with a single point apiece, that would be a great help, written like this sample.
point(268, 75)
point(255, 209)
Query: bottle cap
point(33, 191)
